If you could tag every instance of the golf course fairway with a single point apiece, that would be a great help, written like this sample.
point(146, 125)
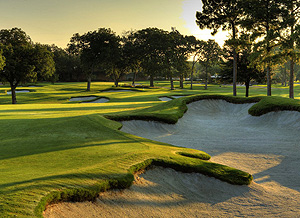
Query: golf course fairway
point(54, 150)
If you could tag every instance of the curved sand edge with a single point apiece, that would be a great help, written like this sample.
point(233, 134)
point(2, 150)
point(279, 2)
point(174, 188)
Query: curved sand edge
point(269, 151)
point(163, 192)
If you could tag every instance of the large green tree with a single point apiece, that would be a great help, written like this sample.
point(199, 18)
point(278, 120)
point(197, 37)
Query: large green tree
point(247, 73)
point(290, 36)
point(180, 49)
point(67, 65)
point(225, 15)
point(44, 63)
point(24, 60)
point(2, 59)
point(97, 51)
point(195, 46)
point(151, 44)
point(132, 54)
point(263, 21)
point(209, 56)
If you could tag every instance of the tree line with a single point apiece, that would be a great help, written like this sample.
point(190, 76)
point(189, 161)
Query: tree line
point(153, 52)
point(264, 33)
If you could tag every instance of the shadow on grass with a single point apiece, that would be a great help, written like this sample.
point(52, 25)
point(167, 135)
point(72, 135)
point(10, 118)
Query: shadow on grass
point(57, 181)
point(37, 136)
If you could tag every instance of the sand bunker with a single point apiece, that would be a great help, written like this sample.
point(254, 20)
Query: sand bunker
point(17, 91)
point(119, 90)
point(100, 100)
point(178, 96)
point(83, 98)
point(167, 193)
point(267, 147)
point(165, 99)
point(89, 99)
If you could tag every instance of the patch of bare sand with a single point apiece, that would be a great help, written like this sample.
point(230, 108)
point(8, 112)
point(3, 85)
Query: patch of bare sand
point(161, 192)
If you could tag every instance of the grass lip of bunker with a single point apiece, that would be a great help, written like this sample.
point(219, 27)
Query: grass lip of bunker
point(19, 91)
point(165, 98)
point(109, 90)
point(178, 96)
point(89, 99)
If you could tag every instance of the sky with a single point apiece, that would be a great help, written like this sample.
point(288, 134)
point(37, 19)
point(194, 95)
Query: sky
point(55, 21)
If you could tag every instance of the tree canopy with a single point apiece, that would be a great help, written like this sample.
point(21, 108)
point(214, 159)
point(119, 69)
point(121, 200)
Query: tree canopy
point(24, 60)
point(225, 15)
point(98, 50)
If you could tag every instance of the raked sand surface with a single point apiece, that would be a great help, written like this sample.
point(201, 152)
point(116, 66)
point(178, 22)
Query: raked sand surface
point(266, 146)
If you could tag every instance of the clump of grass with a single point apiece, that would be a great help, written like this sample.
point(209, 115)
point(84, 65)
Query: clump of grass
point(80, 194)
point(200, 155)
point(230, 99)
point(270, 104)
point(171, 111)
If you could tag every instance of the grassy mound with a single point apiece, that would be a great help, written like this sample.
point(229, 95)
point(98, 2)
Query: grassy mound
point(171, 111)
point(272, 104)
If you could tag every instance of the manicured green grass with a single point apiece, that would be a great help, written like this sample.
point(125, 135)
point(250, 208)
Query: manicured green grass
point(52, 149)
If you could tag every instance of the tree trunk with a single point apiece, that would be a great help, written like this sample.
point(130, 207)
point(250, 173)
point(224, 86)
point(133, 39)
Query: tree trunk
point(234, 72)
point(172, 82)
point(234, 62)
point(292, 62)
point(116, 77)
point(291, 94)
point(192, 74)
point(206, 78)
point(181, 81)
point(134, 78)
point(13, 93)
point(269, 81)
point(284, 76)
point(247, 84)
point(88, 88)
point(151, 81)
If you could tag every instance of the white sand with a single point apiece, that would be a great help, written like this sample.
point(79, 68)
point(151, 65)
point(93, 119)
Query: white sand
point(100, 100)
point(17, 91)
point(165, 99)
point(178, 96)
point(119, 90)
point(83, 98)
point(167, 193)
point(266, 146)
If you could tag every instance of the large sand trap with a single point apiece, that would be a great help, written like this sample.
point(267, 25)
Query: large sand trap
point(266, 146)
point(17, 91)
point(178, 96)
point(230, 135)
point(118, 90)
point(83, 98)
point(88, 99)
point(165, 99)
point(167, 193)
point(100, 100)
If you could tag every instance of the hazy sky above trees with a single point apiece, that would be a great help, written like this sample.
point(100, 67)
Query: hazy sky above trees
point(55, 21)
